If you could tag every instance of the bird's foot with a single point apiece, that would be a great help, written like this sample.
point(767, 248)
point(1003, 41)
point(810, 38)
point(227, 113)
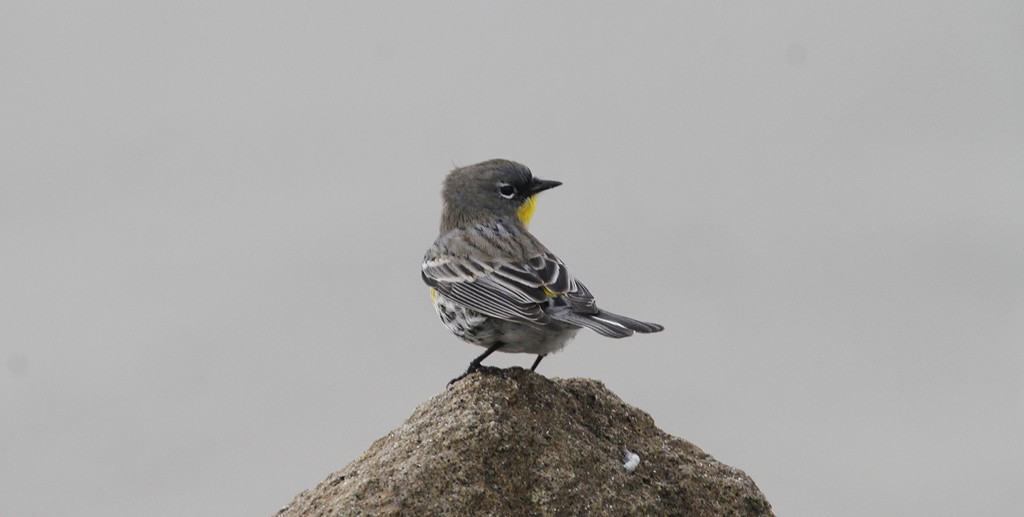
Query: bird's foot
point(477, 367)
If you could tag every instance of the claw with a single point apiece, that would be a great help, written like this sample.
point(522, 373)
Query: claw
point(477, 367)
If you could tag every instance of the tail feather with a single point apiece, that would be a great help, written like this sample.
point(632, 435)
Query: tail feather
point(605, 328)
point(630, 323)
point(605, 323)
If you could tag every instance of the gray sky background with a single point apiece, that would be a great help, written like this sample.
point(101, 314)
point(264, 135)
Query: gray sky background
point(212, 216)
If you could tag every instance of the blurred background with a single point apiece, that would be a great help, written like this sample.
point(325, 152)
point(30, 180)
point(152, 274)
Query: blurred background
point(212, 217)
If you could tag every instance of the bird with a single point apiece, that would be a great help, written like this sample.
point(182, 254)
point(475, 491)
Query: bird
point(493, 284)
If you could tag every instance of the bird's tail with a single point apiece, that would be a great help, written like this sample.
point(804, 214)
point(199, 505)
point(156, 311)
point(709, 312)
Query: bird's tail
point(603, 322)
point(640, 326)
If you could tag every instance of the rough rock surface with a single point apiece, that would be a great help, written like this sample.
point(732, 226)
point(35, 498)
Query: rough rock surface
point(517, 443)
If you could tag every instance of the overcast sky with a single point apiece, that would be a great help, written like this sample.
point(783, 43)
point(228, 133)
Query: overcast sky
point(212, 216)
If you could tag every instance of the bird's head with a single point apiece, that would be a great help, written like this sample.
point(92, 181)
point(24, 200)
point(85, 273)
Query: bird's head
point(495, 188)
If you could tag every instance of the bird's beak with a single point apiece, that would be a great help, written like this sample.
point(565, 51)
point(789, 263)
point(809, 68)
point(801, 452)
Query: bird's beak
point(540, 185)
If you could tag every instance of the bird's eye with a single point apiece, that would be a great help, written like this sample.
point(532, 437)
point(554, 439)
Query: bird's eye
point(507, 191)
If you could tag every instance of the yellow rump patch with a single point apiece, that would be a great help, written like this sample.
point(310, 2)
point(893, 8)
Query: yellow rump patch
point(433, 295)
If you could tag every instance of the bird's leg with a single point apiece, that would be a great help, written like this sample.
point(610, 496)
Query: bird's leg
point(535, 363)
point(475, 366)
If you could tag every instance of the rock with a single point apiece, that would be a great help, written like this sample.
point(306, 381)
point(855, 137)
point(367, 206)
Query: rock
point(517, 443)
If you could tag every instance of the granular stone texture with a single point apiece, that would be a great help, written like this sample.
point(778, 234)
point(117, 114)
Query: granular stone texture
point(516, 443)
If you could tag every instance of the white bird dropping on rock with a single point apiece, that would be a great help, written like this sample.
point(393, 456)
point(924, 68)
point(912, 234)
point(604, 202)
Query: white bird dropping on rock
point(631, 460)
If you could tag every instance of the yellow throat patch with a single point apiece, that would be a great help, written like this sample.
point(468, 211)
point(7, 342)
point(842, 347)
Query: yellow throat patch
point(525, 212)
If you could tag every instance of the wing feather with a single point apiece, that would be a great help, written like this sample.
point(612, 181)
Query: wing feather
point(504, 287)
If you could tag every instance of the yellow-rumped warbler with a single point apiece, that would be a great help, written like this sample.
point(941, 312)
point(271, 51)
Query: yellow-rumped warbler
point(493, 283)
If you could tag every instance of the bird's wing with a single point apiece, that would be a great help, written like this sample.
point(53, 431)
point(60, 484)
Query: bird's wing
point(495, 289)
point(505, 288)
point(558, 281)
